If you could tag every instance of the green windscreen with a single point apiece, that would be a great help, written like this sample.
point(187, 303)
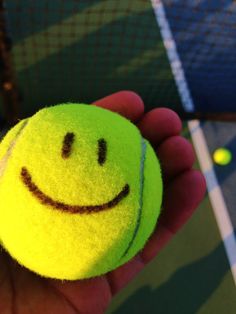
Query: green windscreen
point(80, 51)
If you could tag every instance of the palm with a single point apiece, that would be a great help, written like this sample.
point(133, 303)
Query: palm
point(22, 291)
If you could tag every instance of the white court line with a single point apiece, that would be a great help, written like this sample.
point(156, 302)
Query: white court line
point(215, 193)
point(175, 63)
point(199, 142)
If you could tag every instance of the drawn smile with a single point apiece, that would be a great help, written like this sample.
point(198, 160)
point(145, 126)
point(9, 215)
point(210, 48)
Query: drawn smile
point(73, 209)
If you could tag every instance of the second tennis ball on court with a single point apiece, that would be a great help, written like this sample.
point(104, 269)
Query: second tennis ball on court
point(80, 191)
point(222, 156)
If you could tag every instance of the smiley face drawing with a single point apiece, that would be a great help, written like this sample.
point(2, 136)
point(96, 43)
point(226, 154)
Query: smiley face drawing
point(80, 191)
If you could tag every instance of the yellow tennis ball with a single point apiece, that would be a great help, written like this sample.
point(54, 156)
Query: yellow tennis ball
point(222, 156)
point(80, 191)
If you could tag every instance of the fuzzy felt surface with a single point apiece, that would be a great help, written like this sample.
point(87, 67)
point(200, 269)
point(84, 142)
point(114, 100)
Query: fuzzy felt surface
point(80, 191)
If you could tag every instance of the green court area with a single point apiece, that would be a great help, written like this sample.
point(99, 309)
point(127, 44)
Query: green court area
point(83, 52)
point(191, 275)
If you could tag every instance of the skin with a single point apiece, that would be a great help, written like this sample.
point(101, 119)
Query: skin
point(24, 292)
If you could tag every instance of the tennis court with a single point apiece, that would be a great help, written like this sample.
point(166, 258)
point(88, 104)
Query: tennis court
point(176, 54)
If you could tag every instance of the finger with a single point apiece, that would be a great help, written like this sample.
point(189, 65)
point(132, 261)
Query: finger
point(181, 199)
point(79, 293)
point(126, 103)
point(176, 155)
point(159, 124)
point(121, 276)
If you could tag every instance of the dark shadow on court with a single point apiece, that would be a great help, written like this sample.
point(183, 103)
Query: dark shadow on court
point(187, 289)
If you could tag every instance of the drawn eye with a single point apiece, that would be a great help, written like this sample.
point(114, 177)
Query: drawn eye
point(67, 144)
point(102, 151)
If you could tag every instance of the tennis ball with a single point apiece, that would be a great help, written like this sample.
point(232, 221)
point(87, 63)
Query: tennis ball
point(80, 191)
point(222, 156)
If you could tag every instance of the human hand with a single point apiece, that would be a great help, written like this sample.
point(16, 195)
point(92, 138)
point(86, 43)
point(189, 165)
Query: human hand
point(24, 292)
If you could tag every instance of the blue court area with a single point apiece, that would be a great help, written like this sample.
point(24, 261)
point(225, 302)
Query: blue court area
point(205, 35)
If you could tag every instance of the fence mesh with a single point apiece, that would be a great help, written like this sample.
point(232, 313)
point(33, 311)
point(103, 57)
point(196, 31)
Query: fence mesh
point(70, 50)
